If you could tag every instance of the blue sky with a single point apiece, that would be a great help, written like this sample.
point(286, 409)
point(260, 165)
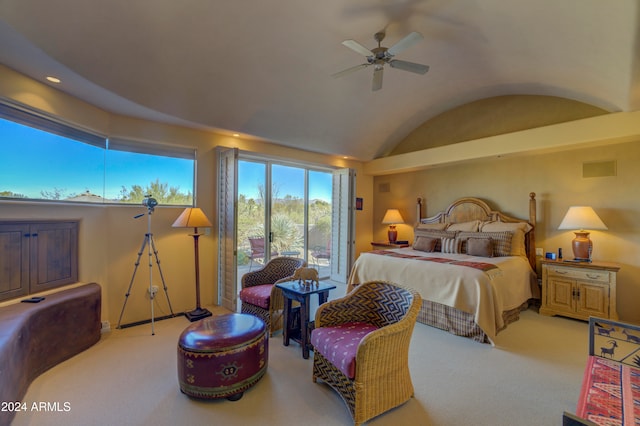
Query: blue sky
point(33, 161)
point(287, 181)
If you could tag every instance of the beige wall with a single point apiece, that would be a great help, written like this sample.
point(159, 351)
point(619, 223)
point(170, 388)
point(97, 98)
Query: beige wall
point(110, 238)
point(557, 180)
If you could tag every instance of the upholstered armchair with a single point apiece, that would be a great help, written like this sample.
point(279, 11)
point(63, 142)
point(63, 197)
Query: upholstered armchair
point(260, 297)
point(361, 347)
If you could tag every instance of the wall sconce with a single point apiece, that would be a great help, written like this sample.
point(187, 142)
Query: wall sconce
point(581, 218)
point(391, 218)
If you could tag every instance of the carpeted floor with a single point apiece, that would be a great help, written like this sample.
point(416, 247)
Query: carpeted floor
point(530, 377)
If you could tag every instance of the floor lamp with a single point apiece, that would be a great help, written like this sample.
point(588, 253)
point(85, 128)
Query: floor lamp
point(194, 217)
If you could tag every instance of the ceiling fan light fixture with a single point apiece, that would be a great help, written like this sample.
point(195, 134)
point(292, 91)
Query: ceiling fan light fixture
point(379, 56)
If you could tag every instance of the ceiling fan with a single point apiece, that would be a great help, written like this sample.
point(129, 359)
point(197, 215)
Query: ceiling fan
point(380, 56)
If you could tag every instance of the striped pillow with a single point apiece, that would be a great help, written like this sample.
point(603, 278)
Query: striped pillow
point(435, 233)
point(451, 245)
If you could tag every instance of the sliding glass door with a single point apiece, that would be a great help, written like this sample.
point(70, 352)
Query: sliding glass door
point(271, 208)
point(283, 210)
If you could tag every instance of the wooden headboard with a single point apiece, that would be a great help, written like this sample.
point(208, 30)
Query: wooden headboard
point(468, 209)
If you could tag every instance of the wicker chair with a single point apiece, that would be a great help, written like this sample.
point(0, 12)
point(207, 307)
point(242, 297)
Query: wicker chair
point(385, 314)
point(260, 297)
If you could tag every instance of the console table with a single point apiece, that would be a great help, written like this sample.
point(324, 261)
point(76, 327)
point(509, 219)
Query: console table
point(300, 292)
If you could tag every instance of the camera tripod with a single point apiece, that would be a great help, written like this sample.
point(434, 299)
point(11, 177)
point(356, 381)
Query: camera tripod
point(150, 244)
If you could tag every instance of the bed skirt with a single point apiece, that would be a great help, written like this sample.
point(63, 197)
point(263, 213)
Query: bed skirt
point(461, 323)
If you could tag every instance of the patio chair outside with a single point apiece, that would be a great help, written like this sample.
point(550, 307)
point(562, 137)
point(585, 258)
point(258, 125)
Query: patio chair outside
point(257, 250)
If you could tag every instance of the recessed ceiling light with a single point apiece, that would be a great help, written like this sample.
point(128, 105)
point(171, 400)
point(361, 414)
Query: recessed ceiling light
point(53, 79)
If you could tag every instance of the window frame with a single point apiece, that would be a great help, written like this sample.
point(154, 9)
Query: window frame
point(46, 122)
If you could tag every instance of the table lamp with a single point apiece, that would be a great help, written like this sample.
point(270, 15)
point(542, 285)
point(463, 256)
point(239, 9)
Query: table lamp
point(391, 218)
point(194, 217)
point(581, 218)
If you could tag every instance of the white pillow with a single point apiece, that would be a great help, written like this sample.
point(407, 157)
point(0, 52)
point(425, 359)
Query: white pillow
point(436, 226)
point(471, 226)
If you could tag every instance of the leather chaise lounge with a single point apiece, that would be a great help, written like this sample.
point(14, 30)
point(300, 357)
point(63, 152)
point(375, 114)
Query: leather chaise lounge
point(36, 336)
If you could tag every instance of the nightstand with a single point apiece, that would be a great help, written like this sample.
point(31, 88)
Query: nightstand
point(579, 289)
point(377, 245)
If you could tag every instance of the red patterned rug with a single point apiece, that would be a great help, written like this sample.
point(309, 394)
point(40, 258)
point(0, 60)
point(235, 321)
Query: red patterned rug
point(610, 394)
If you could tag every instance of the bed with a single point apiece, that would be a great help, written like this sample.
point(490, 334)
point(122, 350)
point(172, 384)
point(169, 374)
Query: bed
point(473, 266)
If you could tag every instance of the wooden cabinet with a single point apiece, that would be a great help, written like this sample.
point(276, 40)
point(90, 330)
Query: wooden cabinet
point(579, 290)
point(37, 256)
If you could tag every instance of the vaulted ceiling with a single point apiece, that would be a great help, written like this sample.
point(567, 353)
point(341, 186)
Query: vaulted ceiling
point(263, 69)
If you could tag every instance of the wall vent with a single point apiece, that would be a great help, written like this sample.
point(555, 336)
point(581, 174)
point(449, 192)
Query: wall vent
point(384, 187)
point(599, 169)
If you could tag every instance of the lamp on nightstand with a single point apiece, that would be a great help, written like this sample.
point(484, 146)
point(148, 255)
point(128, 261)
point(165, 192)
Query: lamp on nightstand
point(194, 218)
point(581, 218)
point(391, 218)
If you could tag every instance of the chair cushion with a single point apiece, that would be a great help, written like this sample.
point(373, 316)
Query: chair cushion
point(258, 295)
point(339, 344)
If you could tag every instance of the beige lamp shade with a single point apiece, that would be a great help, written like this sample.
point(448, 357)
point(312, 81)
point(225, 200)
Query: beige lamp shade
point(581, 218)
point(192, 217)
point(391, 218)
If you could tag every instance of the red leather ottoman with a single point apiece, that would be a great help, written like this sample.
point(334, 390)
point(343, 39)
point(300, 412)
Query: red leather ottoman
point(222, 356)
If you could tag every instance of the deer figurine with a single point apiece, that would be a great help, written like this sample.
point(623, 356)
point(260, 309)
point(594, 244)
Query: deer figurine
point(604, 351)
point(306, 276)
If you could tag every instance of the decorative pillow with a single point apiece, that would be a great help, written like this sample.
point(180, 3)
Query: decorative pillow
point(501, 241)
point(471, 226)
point(435, 233)
point(451, 245)
point(482, 247)
point(339, 344)
point(425, 244)
point(436, 226)
point(258, 295)
point(518, 229)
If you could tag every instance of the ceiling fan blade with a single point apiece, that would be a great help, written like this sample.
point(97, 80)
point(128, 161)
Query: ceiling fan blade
point(405, 43)
point(409, 66)
point(354, 45)
point(377, 78)
point(349, 70)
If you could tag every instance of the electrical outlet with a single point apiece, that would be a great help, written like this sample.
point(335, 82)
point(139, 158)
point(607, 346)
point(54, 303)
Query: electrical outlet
point(153, 291)
point(105, 327)
point(539, 251)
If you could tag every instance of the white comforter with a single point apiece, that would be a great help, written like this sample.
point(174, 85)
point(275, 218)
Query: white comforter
point(483, 294)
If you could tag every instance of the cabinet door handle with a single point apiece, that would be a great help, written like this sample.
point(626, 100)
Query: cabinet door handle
point(561, 272)
point(593, 276)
